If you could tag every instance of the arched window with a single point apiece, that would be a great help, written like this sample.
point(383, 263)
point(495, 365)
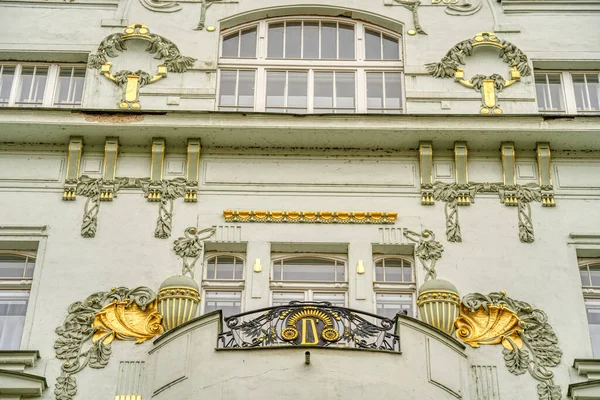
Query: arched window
point(223, 285)
point(16, 274)
point(309, 269)
point(589, 271)
point(310, 65)
point(224, 266)
point(394, 269)
point(394, 286)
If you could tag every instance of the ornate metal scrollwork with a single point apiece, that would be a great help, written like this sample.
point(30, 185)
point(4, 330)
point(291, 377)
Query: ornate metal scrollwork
point(309, 323)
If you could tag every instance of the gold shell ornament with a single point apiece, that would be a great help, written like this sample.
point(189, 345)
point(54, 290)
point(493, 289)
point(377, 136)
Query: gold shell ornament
point(492, 326)
point(124, 320)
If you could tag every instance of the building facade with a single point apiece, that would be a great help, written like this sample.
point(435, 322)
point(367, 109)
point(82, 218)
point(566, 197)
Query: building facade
point(257, 200)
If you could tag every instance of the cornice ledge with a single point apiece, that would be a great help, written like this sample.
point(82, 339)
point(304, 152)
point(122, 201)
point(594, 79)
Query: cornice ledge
point(575, 387)
point(585, 366)
point(23, 230)
point(26, 385)
point(19, 357)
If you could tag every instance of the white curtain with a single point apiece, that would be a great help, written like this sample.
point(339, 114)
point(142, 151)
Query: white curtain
point(13, 306)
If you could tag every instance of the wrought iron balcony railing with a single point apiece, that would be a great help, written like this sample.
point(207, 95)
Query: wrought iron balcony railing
point(309, 324)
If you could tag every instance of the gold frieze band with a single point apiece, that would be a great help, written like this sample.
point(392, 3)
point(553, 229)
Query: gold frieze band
point(317, 217)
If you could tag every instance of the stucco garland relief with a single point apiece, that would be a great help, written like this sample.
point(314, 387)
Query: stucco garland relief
point(427, 250)
point(487, 86)
point(131, 81)
point(190, 248)
point(530, 344)
point(163, 191)
point(454, 195)
point(453, 7)
point(121, 313)
point(171, 6)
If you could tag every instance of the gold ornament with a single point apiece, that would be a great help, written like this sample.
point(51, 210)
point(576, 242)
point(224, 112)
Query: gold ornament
point(124, 320)
point(496, 325)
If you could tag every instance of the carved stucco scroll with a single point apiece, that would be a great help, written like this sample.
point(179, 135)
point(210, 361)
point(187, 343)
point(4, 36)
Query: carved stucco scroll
point(453, 7)
point(131, 81)
point(121, 313)
point(511, 195)
point(530, 344)
point(487, 86)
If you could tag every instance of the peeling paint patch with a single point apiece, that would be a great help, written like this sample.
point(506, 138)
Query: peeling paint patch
point(113, 118)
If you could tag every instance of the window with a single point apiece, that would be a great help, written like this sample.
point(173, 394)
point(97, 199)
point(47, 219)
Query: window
point(567, 92)
point(16, 274)
point(394, 286)
point(310, 65)
point(309, 277)
point(223, 283)
point(43, 85)
point(589, 271)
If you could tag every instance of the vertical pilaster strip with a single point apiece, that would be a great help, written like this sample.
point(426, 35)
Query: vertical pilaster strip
point(73, 161)
point(111, 149)
point(462, 173)
point(509, 173)
point(426, 171)
point(545, 173)
point(192, 171)
point(156, 169)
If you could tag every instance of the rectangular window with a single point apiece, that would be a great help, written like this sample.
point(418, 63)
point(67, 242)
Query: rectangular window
point(32, 86)
point(549, 91)
point(309, 269)
point(287, 91)
point(390, 304)
point(587, 91)
point(230, 303)
point(69, 88)
point(284, 298)
point(16, 273)
point(237, 90)
point(334, 92)
point(384, 92)
point(7, 76)
point(592, 307)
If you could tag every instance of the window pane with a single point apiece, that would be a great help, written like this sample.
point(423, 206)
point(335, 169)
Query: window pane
point(277, 271)
point(346, 42)
point(552, 92)
point(13, 306)
point(344, 87)
point(311, 40)
point(323, 89)
point(393, 90)
point(379, 271)
point(231, 44)
point(210, 268)
point(391, 51)
point(297, 89)
point(293, 39)
point(281, 299)
point(375, 90)
point(393, 270)
point(336, 299)
point(230, 303)
point(246, 89)
point(328, 40)
point(12, 266)
point(388, 305)
point(70, 85)
point(593, 314)
point(275, 38)
point(340, 272)
point(227, 88)
point(275, 89)
point(595, 275)
point(7, 75)
point(594, 91)
point(239, 268)
point(408, 275)
point(541, 92)
point(372, 45)
point(580, 92)
point(33, 84)
point(225, 267)
point(248, 46)
point(309, 269)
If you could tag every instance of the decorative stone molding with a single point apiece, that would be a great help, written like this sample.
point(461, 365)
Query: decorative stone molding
point(545, 174)
point(530, 344)
point(131, 81)
point(488, 86)
point(426, 173)
point(171, 6)
point(192, 172)
point(453, 7)
point(98, 319)
point(317, 217)
point(73, 163)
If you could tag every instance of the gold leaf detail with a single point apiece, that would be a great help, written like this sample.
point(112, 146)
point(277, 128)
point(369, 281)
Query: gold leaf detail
point(495, 326)
point(125, 321)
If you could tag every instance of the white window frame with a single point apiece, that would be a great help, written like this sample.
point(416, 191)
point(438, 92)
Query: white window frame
point(568, 91)
point(48, 99)
point(222, 285)
point(409, 288)
point(261, 64)
point(308, 287)
point(591, 294)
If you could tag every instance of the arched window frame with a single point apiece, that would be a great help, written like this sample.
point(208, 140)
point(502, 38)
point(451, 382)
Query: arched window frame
point(360, 66)
point(399, 294)
point(232, 288)
point(402, 258)
point(212, 255)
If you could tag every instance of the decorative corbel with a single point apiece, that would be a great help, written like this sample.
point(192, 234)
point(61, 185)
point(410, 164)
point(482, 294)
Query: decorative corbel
point(156, 169)
point(107, 187)
point(192, 171)
point(426, 170)
point(73, 161)
point(509, 174)
point(545, 173)
point(462, 173)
